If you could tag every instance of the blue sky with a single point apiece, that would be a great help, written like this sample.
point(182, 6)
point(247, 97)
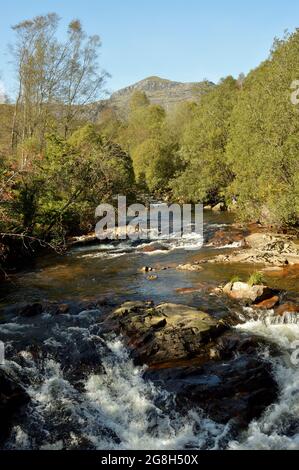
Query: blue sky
point(181, 40)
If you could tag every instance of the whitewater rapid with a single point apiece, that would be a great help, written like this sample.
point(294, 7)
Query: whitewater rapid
point(115, 410)
point(108, 404)
point(278, 428)
point(118, 409)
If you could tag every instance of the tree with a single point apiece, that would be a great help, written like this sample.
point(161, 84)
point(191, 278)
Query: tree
point(55, 79)
point(83, 80)
point(138, 100)
point(263, 150)
point(206, 173)
point(154, 164)
point(36, 55)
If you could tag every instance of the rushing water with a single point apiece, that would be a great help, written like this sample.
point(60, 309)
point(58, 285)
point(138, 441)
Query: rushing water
point(86, 392)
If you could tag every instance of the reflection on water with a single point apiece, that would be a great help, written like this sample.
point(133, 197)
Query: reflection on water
point(114, 271)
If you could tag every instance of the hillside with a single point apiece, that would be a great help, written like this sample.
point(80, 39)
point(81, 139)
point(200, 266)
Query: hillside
point(160, 91)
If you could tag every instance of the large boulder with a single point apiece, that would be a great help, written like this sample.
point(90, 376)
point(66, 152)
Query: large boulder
point(236, 385)
point(31, 310)
point(165, 333)
point(243, 291)
point(12, 397)
point(238, 389)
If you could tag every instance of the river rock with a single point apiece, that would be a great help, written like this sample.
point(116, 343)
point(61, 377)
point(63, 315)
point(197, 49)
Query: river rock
point(151, 247)
point(238, 389)
point(264, 249)
point(189, 267)
point(167, 332)
point(31, 310)
point(12, 397)
point(243, 291)
point(221, 207)
point(228, 236)
point(146, 269)
point(287, 307)
point(267, 304)
point(63, 308)
point(152, 277)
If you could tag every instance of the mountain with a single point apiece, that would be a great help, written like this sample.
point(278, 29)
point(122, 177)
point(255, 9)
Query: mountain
point(160, 91)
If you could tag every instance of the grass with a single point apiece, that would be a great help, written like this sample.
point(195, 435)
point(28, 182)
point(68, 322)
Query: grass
point(256, 279)
point(235, 278)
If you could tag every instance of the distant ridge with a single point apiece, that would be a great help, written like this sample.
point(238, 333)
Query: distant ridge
point(161, 91)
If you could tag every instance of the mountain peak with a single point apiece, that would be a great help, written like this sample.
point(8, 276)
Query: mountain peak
point(161, 91)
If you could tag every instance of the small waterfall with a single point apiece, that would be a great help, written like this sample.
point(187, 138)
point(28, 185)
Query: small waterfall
point(286, 319)
point(278, 427)
point(268, 317)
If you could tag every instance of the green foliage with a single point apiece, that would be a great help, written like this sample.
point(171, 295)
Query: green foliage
point(263, 151)
point(153, 163)
point(66, 183)
point(239, 142)
point(206, 173)
point(147, 139)
point(256, 279)
point(138, 100)
point(235, 278)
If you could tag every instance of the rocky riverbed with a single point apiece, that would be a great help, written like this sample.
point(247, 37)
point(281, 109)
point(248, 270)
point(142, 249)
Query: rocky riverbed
point(270, 249)
point(186, 359)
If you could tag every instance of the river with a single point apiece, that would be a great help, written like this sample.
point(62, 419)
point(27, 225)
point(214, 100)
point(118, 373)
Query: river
point(86, 392)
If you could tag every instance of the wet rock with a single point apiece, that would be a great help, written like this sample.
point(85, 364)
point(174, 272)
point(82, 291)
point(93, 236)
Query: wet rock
point(243, 291)
point(228, 237)
point(267, 304)
point(288, 307)
point(63, 308)
point(221, 207)
point(164, 333)
point(189, 267)
point(151, 247)
point(266, 249)
point(146, 269)
point(233, 343)
point(152, 278)
point(31, 310)
point(12, 397)
point(237, 389)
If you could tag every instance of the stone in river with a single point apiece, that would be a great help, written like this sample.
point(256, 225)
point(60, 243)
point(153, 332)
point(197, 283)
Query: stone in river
point(189, 267)
point(243, 291)
point(235, 385)
point(288, 307)
point(31, 310)
point(267, 304)
point(182, 331)
point(152, 278)
point(12, 397)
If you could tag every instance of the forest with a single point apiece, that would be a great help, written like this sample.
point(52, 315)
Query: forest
point(63, 151)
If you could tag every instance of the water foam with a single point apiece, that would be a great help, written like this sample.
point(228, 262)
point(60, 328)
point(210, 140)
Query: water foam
point(278, 428)
point(116, 410)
